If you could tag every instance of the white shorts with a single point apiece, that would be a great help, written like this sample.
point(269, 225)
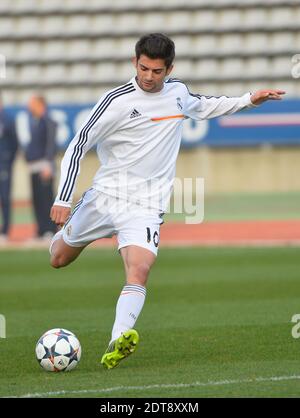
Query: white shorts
point(98, 215)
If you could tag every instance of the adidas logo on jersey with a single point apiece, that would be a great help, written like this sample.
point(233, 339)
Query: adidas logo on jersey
point(134, 114)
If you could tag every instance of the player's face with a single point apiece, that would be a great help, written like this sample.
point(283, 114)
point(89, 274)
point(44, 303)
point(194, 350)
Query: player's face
point(151, 73)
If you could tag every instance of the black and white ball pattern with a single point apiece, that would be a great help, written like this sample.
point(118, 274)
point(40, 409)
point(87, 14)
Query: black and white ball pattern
point(58, 350)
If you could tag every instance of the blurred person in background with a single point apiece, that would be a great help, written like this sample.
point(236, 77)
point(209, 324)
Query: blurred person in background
point(8, 149)
point(40, 156)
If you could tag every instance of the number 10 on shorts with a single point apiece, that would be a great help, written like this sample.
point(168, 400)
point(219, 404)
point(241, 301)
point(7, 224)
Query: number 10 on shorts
point(154, 237)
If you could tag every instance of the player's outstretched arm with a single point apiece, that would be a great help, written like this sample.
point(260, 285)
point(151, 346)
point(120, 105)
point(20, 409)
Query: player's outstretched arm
point(263, 95)
point(200, 107)
point(59, 214)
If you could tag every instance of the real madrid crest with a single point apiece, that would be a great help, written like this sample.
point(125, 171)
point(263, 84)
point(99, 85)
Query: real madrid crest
point(69, 230)
point(179, 103)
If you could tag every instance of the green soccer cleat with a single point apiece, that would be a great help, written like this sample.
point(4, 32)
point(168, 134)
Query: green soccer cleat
point(120, 349)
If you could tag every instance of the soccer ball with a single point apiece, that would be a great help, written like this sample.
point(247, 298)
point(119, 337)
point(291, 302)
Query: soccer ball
point(58, 350)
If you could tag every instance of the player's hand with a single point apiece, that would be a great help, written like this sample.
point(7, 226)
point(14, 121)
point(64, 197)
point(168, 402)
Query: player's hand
point(59, 214)
point(263, 95)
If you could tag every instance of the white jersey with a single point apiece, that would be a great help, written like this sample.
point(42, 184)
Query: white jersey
point(137, 137)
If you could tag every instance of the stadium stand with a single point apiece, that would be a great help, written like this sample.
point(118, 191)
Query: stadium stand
point(74, 50)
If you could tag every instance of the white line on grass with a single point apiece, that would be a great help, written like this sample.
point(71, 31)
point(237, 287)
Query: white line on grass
point(162, 386)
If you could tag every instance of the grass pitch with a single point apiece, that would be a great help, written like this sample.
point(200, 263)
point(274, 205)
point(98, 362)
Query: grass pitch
point(216, 323)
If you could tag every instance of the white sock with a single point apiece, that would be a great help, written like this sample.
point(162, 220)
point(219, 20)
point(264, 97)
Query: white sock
point(57, 236)
point(129, 306)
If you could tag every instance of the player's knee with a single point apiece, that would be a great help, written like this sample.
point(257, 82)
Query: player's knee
point(55, 262)
point(139, 272)
point(58, 261)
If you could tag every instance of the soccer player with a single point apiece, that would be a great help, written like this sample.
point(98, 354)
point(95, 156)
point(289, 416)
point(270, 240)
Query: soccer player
point(136, 129)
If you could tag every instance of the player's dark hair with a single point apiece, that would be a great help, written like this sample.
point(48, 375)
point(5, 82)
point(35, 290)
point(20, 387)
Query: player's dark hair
point(156, 46)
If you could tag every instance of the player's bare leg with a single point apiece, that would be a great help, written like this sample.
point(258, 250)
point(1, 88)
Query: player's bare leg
point(138, 262)
point(63, 254)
